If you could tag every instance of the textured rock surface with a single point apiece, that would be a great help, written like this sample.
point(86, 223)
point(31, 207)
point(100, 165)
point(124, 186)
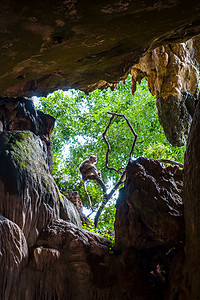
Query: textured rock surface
point(67, 262)
point(192, 208)
point(150, 225)
point(62, 265)
point(69, 212)
point(21, 114)
point(76, 200)
point(178, 284)
point(63, 44)
point(13, 257)
point(150, 209)
point(172, 74)
point(28, 194)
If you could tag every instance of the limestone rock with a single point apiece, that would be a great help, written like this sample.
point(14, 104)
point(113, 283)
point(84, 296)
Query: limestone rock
point(69, 212)
point(28, 194)
point(63, 263)
point(150, 208)
point(192, 208)
point(173, 76)
point(74, 198)
point(178, 282)
point(67, 262)
point(68, 44)
point(13, 257)
point(21, 114)
point(45, 257)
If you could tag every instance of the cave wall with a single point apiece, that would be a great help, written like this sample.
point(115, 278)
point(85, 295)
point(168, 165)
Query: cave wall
point(46, 45)
point(172, 72)
point(45, 253)
point(192, 207)
point(70, 44)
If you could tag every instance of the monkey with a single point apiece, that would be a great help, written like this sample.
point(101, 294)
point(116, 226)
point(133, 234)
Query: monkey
point(88, 168)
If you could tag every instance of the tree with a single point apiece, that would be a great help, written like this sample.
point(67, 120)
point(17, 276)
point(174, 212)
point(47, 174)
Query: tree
point(80, 122)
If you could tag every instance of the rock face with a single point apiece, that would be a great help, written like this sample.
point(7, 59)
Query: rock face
point(192, 207)
point(172, 74)
point(150, 208)
point(26, 183)
point(74, 198)
point(150, 225)
point(21, 114)
point(28, 194)
point(42, 254)
point(68, 44)
point(64, 267)
point(69, 212)
point(13, 256)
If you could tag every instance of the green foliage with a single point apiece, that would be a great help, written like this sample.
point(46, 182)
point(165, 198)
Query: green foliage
point(107, 217)
point(80, 121)
point(105, 233)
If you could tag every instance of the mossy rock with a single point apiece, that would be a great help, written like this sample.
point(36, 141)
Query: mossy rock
point(28, 193)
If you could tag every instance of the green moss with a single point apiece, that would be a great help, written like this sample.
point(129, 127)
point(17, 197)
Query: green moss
point(26, 154)
point(21, 148)
point(60, 195)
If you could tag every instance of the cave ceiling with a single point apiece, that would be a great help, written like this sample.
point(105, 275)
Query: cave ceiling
point(46, 45)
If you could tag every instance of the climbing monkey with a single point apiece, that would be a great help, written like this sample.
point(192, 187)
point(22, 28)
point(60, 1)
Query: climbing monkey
point(87, 168)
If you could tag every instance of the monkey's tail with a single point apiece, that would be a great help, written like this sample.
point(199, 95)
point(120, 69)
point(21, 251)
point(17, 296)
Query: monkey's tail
point(101, 208)
point(85, 188)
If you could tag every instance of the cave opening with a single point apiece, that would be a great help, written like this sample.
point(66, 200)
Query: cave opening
point(142, 228)
point(80, 121)
point(44, 251)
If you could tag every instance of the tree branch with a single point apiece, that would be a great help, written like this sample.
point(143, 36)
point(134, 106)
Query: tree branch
point(169, 161)
point(130, 126)
point(107, 198)
point(123, 174)
point(108, 146)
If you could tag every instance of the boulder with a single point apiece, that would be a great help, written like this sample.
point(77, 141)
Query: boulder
point(64, 264)
point(13, 257)
point(28, 194)
point(150, 207)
